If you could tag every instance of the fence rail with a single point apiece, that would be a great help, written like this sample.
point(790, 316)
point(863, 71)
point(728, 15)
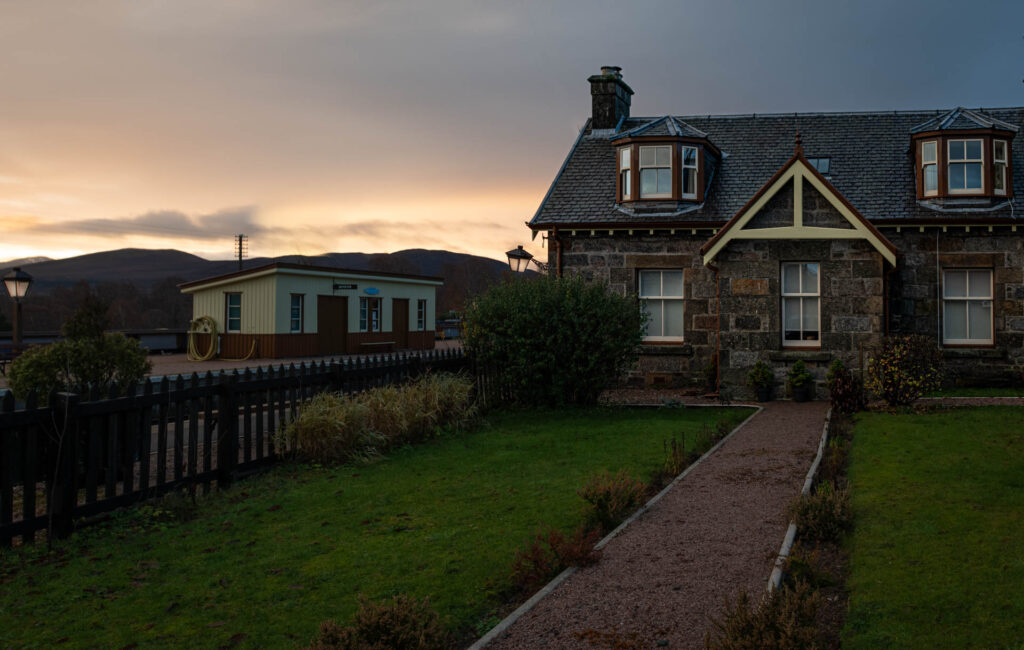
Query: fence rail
point(79, 456)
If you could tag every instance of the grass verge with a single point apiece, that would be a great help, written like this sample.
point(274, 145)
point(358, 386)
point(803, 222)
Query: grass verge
point(264, 563)
point(978, 392)
point(935, 559)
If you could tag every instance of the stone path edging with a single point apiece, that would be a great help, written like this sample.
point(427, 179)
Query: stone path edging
point(775, 580)
point(564, 575)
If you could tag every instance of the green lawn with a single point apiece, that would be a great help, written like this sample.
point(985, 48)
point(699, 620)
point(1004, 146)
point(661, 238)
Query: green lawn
point(937, 553)
point(278, 553)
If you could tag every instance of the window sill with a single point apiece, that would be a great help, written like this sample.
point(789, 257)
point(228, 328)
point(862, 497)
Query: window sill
point(789, 355)
point(989, 351)
point(666, 348)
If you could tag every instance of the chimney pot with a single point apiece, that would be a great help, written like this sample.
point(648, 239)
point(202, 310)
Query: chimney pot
point(611, 71)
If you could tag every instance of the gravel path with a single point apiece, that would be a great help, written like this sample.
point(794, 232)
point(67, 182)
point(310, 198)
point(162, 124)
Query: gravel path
point(716, 533)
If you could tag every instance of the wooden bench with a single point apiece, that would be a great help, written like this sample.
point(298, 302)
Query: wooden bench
point(377, 346)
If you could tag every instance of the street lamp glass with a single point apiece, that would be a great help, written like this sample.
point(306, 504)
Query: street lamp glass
point(17, 283)
point(518, 259)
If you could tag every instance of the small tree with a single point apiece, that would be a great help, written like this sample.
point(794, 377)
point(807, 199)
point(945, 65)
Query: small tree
point(906, 368)
point(89, 321)
point(554, 340)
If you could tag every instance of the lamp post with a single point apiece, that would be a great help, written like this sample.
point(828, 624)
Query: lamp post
point(17, 283)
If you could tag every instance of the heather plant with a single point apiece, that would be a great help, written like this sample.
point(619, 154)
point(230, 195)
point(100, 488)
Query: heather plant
point(844, 388)
point(783, 618)
point(401, 622)
point(553, 341)
point(825, 514)
point(549, 553)
point(906, 368)
point(612, 497)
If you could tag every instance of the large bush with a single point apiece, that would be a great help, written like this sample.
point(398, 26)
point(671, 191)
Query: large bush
point(906, 368)
point(75, 365)
point(554, 340)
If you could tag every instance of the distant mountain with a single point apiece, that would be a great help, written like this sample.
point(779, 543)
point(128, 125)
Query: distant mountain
point(22, 261)
point(464, 274)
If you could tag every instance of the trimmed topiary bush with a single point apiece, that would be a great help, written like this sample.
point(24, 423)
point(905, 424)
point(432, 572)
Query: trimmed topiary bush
point(553, 341)
point(906, 368)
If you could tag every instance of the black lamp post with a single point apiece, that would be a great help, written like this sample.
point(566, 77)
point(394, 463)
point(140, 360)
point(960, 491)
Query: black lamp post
point(518, 259)
point(17, 283)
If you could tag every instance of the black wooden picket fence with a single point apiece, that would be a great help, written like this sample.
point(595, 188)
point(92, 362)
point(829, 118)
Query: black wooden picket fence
point(80, 456)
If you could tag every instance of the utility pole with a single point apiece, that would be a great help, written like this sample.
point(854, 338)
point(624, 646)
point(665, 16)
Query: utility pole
point(241, 248)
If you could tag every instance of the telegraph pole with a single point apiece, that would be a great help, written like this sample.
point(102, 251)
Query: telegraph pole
point(241, 248)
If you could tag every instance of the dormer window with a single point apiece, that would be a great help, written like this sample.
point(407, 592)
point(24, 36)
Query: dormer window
point(999, 159)
point(626, 172)
point(656, 172)
point(965, 164)
point(930, 168)
point(689, 170)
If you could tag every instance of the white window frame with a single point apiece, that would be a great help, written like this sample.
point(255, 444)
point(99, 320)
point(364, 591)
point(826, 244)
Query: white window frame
point(802, 294)
point(661, 297)
point(654, 148)
point(965, 161)
point(295, 322)
point(367, 322)
point(947, 299)
point(925, 163)
point(421, 315)
point(228, 318)
point(626, 173)
point(999, 165)
point(685, 168)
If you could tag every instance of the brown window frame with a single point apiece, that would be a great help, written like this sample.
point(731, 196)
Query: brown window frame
point(676, 166)
point(942, 162)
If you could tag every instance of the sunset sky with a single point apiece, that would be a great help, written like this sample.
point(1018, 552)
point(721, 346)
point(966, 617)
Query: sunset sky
point(376, 126)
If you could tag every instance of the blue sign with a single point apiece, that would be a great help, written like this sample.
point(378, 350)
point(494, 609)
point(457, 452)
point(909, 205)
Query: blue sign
point(372, 291)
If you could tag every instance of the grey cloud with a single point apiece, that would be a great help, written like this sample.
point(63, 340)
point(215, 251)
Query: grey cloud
point(172, 224)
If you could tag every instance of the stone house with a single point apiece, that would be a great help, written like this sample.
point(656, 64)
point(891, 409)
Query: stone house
point(798, 236)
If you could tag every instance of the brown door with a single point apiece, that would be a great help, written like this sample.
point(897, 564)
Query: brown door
point(400, 322)
point(331, 324)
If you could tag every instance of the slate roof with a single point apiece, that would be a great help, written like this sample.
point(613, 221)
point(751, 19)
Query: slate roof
point(962, 118)
point(870, 166)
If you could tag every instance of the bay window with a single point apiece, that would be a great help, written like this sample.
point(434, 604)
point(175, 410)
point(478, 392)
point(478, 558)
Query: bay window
point(656, 172)
point(801, 301)
point(967, 307)
point(661, 298)
point(965, 164)
point(999, 159)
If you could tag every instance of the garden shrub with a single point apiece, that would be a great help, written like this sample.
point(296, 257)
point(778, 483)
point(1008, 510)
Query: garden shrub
point(337, 428)
point(825, 514)
point(675, 461)
point(612, 497)
point(549, 553)
point(845, 390)
point(402, 622)
point(784, 618)
point(553, 341)
point(906, 368)
point(75, 365)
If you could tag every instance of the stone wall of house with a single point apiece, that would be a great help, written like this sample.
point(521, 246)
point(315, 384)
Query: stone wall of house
point(749, 285)
point(915, 299)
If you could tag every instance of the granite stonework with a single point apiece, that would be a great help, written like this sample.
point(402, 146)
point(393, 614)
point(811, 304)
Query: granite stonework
point(915, 298)
point(853, 295)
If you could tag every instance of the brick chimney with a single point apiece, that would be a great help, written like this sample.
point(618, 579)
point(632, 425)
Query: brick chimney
point(610, 97)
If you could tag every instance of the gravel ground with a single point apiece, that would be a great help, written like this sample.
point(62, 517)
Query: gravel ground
point(715, 534)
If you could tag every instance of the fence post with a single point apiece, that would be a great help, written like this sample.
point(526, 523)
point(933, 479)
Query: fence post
point(63, 481)
point(227, 438)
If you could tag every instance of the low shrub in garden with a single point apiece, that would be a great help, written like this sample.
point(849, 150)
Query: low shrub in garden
point(612, 497)
point(549, 553)
point(553, 341)
point(906, 368)
point(401, 622)
point(844, 388)
point(823, 515)
point(833, 460)
point(336, 428)
point(784, 618)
